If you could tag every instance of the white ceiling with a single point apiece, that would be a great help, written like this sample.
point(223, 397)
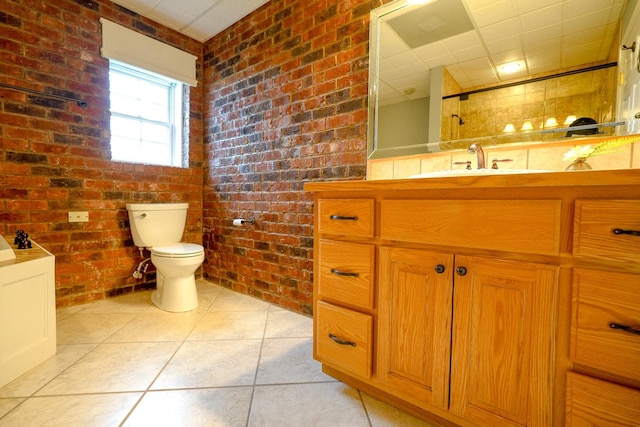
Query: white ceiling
point(546, 35)
point(199, 19)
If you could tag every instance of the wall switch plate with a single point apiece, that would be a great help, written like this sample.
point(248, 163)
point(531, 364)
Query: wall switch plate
point(82, 216)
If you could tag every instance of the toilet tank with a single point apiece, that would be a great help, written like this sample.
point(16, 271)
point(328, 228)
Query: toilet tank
point(157, 224)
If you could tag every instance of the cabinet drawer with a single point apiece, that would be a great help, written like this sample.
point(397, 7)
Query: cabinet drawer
point(351, 346)
point(529, 226)
point(599, 299)
point(346, 217)
point(346, 272)
point(592, 402)
point(594, 222)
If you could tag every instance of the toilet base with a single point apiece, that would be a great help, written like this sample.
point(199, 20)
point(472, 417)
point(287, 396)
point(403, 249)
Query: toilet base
point(176, 295)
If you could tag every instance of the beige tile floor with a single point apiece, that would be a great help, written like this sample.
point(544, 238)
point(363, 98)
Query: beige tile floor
point(234, 361)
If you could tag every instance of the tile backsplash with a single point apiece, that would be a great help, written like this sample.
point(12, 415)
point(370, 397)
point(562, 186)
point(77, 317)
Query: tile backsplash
point(541, 156)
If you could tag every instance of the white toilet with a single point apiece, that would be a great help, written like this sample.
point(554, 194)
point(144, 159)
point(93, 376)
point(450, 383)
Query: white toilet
point(159, 227)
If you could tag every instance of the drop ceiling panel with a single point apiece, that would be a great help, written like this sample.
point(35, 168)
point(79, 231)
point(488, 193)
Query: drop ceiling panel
point(200, 19)
point(548, 16)
point(495, 12)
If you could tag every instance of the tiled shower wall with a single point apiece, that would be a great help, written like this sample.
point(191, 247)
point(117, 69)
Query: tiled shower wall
point(54, 155)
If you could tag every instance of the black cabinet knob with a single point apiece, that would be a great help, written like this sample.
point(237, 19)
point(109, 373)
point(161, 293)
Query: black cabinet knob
point(439, 268)
point(462, 271)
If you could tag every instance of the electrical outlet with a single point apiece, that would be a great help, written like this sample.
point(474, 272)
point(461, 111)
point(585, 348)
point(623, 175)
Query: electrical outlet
point(79, 216)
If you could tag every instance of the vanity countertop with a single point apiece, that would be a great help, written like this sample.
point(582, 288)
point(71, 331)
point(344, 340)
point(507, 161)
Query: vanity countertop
point(622, 177)
point(24, 255)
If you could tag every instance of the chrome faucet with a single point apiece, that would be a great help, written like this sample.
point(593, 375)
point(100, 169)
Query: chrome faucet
point(477, 149)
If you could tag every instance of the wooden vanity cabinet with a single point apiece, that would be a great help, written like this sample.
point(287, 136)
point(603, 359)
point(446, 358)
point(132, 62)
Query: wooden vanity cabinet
point(604, 386)
point(472, 301)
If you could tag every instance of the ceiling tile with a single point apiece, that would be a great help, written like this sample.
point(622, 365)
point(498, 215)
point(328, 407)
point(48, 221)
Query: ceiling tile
point(507, 56)
point(432, 50)
point(577, 8)
point(180, 12)
point(439, 60)
point(139, 6)
point(505, 44)
point(542, 17)
point(526, 6)
point(470, 39)
point(510, 27)
point(542, 34)
point(496, 12)
point(584, 22)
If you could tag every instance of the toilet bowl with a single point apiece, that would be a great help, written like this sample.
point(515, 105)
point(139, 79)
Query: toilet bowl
point(159, 227)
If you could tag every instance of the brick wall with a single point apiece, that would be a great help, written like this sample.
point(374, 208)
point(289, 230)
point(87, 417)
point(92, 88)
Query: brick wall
point(281, 101)
point(286, 103)
point(54, 155)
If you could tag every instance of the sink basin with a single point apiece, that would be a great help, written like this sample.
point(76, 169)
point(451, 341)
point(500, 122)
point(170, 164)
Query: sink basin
point(476, 172)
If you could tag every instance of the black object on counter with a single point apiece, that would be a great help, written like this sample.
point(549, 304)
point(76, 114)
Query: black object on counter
point(22, 240)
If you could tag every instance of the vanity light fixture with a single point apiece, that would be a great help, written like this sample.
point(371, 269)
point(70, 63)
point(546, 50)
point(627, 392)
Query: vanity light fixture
point(570, 119)
point(509, 128)
point(551, 122)
point(527, 126)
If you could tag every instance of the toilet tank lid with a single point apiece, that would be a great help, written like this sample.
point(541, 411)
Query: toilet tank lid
point(156, 206)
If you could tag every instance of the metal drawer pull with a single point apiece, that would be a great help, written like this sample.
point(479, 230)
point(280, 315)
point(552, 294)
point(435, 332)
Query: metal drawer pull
point(625, 328)
point(344, 273)
point(339, 341)
point(343, 218)
point(621, 231)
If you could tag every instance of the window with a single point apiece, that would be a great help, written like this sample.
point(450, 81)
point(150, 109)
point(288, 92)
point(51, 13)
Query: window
point(146, 116)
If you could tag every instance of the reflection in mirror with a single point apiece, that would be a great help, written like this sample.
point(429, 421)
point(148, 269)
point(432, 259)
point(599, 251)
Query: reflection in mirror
point(439, 72)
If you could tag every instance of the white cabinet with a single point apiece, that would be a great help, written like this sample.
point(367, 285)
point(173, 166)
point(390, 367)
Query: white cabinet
point(27, 311)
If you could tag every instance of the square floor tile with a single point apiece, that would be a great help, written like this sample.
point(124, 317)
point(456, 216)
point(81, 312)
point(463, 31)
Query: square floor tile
point(230, 325)
point(90, 328)
point(321, 404)
point(86, 410)
point(233, 301)
point(384, 415)
point(214, 407)
point(114, 367)
point(286, 324)
point(34, 379)
point(157, 325)
point(211, 364)
point(289, 360)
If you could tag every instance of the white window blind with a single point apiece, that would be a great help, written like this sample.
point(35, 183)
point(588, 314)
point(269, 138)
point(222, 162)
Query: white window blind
point(127, 46)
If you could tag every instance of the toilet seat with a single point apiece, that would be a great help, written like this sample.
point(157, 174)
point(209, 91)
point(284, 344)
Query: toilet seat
point(178, 250)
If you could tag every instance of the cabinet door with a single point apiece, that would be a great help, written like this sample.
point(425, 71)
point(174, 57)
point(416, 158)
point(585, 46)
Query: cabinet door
point(503, 342)
point(414, 312)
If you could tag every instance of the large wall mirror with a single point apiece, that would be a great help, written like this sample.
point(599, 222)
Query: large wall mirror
point(444, 72)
